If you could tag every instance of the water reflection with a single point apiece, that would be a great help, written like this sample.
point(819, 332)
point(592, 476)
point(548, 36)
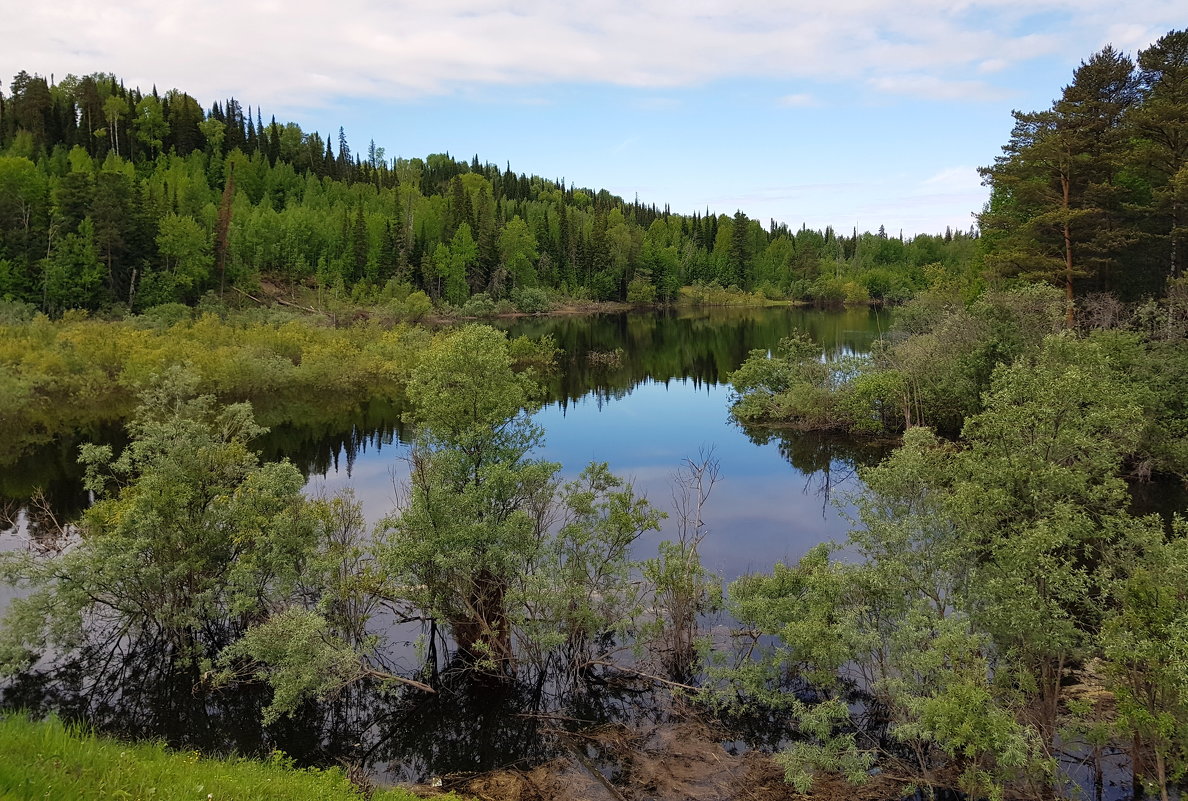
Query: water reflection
point(661, 400)
point(702, 345)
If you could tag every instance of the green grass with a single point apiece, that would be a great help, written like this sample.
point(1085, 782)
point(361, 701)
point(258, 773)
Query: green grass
point(49, 760)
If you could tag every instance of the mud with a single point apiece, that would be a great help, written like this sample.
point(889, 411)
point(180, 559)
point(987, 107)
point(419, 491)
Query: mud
point(685, 761)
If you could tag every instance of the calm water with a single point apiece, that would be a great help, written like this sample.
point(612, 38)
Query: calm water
point(664, 400)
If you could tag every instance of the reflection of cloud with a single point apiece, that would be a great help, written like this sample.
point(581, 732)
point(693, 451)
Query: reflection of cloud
point(302, 53)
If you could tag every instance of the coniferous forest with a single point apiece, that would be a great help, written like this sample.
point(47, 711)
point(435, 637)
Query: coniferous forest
point(114, 196)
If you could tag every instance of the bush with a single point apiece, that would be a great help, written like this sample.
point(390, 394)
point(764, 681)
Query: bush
point(15, 311)
point(479, 305)
point(641, 290)
point(417, 305)
point(856, 293)
point(395, 289)
point(164, 316)
point(532, 300)
point(827, 291)
point(770, 291)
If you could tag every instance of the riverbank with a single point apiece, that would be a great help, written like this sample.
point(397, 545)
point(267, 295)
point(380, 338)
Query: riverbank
point(49, 759)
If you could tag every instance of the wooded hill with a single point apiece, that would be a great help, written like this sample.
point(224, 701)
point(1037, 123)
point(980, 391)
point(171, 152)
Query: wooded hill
point(109, 195)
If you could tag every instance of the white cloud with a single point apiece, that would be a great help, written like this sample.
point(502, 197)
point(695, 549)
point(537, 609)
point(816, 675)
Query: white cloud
point(953, 179)
point(930, 87)
point(304, 52)
point(800, 100)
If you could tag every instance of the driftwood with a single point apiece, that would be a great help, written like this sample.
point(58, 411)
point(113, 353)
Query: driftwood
point(284, 302)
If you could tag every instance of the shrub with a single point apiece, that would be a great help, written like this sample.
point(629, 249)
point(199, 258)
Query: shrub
point(531, 300)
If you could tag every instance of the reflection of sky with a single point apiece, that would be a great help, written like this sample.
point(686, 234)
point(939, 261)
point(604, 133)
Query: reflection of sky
point(762, 510)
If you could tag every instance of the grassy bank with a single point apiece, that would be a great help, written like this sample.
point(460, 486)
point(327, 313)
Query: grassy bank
point(51, 760)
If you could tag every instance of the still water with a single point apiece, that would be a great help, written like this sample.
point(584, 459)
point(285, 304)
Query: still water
point(642, 392)
point(664, 400)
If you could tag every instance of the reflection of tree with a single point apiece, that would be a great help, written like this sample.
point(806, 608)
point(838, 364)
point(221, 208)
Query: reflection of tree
point(319, 432)
point(143, 690)
point(10, 515)
point(824, 458)
point(43, 528)
point(324, 440)
point(46, 485)
point(474, 724)
point(702, 344)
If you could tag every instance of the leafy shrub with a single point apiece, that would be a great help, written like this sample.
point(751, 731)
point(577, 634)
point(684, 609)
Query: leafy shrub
point(479, 305)
point(164, 315)
point(532, 300)
point(641, 290)
point(417, 305)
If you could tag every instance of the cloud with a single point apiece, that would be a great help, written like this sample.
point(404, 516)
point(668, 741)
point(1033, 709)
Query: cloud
point(954, 179)
point(930, 87)
point(802, 100)
point(304, 53)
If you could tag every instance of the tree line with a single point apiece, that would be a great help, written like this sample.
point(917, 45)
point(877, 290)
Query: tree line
point(111, 196)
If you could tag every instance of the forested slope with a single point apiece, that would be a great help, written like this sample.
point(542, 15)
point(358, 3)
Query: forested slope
point(110, 195)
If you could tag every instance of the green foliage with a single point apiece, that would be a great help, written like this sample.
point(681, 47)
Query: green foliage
point(1084, 194)
point(79, 369)
point(301, 656)
point(50, 759)
point(471, 520)
point(147, 171)
point(531, 300)
point(713, 294)
point(479, 305)
point(188, 549)
point(581, 586)
point(641, 290)
point(934, 376)
point(988, 568)
point(791, 383)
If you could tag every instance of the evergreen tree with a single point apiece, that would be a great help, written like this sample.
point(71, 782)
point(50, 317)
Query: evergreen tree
point(1160, 127)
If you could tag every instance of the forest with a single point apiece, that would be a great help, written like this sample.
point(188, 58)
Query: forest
point(114, 198)
point(1002, 619)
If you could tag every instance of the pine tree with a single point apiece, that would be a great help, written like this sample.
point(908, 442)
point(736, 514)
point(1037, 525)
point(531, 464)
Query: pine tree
point(1160, 128)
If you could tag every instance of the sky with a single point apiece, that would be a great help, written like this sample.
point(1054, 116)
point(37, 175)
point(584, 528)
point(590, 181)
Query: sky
point(850, 113)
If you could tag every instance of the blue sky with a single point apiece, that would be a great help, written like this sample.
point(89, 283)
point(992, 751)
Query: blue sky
point(851, 112)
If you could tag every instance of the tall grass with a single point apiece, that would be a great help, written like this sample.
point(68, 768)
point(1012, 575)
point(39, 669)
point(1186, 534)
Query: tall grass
point(50, 760)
